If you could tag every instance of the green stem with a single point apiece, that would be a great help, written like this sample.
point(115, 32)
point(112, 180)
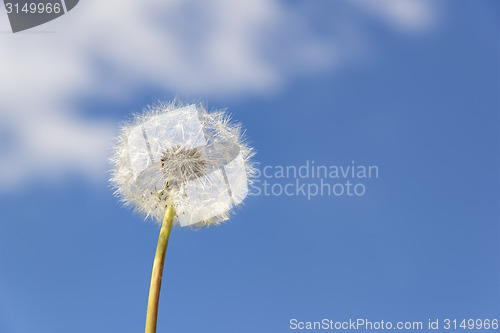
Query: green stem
point(154, 289)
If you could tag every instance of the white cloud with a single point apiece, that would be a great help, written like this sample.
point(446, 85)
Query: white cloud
point(218, 47)
point(406, 15)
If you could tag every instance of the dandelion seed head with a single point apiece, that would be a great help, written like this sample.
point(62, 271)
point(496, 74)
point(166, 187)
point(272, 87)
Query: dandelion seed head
point(182, 164)
point(195, 159)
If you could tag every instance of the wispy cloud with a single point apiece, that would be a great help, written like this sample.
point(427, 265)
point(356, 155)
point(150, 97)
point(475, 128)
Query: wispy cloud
point(405, 15)
point(222, 48)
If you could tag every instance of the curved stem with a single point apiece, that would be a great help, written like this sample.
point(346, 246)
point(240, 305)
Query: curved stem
point(154, 289)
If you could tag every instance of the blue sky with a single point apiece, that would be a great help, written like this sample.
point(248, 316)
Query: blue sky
point(419, 99)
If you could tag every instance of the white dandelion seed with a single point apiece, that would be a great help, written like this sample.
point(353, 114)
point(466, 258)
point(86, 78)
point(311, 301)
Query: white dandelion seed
point(183, 164)
point(195, 159)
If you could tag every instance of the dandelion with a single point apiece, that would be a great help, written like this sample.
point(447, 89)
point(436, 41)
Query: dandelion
point(180, 165)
